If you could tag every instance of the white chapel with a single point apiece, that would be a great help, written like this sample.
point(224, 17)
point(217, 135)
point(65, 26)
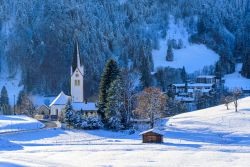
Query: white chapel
point(76, 90)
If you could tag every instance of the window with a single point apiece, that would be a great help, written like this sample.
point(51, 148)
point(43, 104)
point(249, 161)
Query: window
point(77, 75)
point(77, 82)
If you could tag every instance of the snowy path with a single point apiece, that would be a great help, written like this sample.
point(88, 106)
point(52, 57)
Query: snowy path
point(210, 137)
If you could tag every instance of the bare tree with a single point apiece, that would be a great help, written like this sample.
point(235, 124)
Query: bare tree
point(151, 104)
point(227, 100)
point(236, 95)
point(129, 94)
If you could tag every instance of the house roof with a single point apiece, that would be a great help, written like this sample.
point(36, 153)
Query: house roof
point(206, 76)
point(89, 106)
point(194, 85)
point(153, 130)
point(43, 105)
point(61, 99)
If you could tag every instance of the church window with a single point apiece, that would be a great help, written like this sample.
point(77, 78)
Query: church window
point(77, 82)
point(77, 75)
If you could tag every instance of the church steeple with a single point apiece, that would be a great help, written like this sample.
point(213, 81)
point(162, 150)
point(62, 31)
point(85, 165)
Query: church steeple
point(77, 76)
point(76, 62)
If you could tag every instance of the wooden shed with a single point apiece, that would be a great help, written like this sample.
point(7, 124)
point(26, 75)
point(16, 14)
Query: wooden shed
point(152, 136)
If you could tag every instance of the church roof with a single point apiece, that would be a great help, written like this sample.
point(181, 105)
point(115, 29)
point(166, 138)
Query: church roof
point(61, 99)
point(76, 62)
point(89, 106)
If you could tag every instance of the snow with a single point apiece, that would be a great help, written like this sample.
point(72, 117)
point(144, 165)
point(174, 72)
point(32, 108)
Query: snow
point(61, 99)
point(89, 106)
point(194, 57)
point(236, 80)
point(39, 100)
point(10, 123)
point(12, 84)
point(153, 130)
point(209, 137)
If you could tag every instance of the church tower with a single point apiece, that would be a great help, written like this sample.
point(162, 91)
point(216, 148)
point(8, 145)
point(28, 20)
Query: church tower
point(77, 74)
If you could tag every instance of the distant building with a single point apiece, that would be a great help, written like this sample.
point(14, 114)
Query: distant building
point(152, 136)
point(77, 92)
point(189, 93)
point(42, 112)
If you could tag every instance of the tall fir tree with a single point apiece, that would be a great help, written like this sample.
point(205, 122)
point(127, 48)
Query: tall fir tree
point(114, 112)
point(111, 72)
point(69, 114)
point(145, 70)
point(4, 101)
point(246, 57)
point(183, 75)
point(170, 54)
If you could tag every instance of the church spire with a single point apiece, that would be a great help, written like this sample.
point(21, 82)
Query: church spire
point(76, 62)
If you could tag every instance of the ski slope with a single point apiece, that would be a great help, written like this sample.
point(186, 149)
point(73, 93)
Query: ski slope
point(209, 137)
point(13, 123)
point(12, 83)
point(236, 80)
point(194, 57)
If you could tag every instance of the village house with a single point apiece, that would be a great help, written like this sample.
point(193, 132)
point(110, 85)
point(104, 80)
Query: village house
point(42, 112)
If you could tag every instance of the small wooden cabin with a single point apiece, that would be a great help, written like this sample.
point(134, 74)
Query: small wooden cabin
point(152, 136)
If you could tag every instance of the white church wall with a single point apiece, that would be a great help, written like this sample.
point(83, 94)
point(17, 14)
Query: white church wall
point(77, 86)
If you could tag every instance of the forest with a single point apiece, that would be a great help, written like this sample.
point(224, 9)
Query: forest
point(37, 38)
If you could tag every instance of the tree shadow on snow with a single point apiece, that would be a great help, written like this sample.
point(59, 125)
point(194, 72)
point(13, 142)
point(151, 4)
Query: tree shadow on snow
point(10, 164)
point(207, 137)
point(113, 135)
point(34, 135)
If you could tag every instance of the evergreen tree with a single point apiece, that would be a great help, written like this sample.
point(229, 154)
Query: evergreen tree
point(69, 114)
point(246, 47)
point(170, 55)
point(111, 72)
point(114, 113)
point(145, 70)
point(183, 74)
point(4, 101)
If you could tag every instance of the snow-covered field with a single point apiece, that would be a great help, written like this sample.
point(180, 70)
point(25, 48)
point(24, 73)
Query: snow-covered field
point(194, 57)
point(12, 123)
point(210, 137)
point(236, 80)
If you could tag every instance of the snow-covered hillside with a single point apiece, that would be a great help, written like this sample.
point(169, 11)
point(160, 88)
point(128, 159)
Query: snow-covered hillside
point(209, 137)
point(194, 57)
point(18, 123)
point(236, 80)
point(12, 83)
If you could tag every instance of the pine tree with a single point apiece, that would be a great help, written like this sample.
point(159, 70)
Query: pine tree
point(170, 55)
point(69, 114)
point(145, 70)
point(110, 73)
point(4, 101)
point(183, 74)
point(115, 105)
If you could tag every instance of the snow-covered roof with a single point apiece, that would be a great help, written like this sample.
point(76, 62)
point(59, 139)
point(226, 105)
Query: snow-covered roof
point(206, 76)
point(89, 106)
point(153, 130)
point(194, 85)
point(61, 99)
point(181, 98)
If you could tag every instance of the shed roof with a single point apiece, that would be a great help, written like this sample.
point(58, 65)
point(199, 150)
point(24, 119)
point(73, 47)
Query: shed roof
point(153, 130)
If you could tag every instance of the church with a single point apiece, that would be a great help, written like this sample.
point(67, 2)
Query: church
point(76, 97)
